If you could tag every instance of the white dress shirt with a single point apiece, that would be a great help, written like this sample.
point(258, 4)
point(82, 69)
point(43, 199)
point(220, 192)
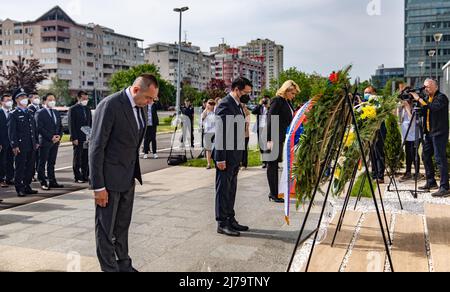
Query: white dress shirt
point(135, 110)
point(5, 112)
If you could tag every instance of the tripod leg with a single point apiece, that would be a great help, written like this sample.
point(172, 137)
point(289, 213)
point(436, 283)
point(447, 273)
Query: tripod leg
point(361, 146)
point(381, 196)
point(316, 188)
point(344, 208)
point(341, 143)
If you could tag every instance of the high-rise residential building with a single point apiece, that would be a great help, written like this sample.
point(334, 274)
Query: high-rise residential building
point(383, 75)
point(229, 64)
point(84, 55)
point(271, 53)
point(426, 21)
point(195, 64)
point(446, 80)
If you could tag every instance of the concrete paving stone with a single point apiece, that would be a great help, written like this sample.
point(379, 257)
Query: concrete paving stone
point(66, 221)
point(69, 232)
point(152, 211)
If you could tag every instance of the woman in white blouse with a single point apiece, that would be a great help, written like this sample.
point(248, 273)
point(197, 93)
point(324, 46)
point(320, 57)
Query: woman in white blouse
point(209, 126)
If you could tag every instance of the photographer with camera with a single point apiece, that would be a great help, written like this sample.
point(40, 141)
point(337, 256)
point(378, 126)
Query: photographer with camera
point(436, 125)
point(410, 138)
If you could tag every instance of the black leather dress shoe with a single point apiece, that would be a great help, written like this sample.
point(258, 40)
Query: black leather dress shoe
point(56, 186)
point(276, 199)
point(441, 194)
point(21, 194)
point(45, 187)
point(228, 231)
point(429, 187)
point(236, 226)
point(30, 192)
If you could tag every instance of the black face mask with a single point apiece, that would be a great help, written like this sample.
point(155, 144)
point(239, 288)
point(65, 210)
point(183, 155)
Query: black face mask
point(245, 99)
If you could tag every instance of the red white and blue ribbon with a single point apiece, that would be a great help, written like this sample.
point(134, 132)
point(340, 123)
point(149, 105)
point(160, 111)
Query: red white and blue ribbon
point(294, 133)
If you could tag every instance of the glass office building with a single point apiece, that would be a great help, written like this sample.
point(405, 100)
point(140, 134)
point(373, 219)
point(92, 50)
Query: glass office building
point(424, 20)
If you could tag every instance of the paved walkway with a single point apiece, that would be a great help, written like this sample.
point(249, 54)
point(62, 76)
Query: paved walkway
point(420, 235)
point(173, 229)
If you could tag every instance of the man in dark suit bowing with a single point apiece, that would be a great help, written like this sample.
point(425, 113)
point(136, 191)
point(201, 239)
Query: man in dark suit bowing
point(228, 154)
point(49, 129)
point(118, 130)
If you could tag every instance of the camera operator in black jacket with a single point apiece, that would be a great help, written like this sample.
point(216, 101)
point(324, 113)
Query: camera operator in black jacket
point(436, 125)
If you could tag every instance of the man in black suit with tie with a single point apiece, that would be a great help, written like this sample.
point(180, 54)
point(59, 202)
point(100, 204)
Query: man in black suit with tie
point(228, 154)
point(80, 116)
point(118, 130)
point(152, 128)
point(6, 155)
point(49, 128)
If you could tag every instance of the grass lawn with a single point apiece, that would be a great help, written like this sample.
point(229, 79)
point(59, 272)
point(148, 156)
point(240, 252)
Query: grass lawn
point(254, 160)
point(366, 193)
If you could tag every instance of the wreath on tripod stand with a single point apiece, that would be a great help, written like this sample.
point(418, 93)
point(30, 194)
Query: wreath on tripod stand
point(323, 118)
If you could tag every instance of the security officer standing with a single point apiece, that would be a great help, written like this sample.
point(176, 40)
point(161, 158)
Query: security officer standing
point(33, 108)
point(436, 125)
point(23, 139)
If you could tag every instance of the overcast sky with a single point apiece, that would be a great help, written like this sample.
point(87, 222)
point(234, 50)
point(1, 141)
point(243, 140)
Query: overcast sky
point(318, 35)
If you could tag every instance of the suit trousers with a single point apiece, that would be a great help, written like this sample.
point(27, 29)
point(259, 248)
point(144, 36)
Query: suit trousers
point(150, 137)
point(24, 163)
point(111, 229)
point(47, 160)
point(226, 188)
point(80, 162)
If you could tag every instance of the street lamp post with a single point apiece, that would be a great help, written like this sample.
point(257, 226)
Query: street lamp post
point(421, 65)
point(178, 105)
point(431, 53)
point(437, 39)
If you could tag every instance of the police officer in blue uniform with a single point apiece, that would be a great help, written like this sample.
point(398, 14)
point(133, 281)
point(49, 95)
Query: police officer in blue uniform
point(23, 139)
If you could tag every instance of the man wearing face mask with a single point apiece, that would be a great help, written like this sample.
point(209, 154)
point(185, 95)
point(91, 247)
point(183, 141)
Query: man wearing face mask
point(228, 154)
point(33, 108)
point(49, 128)
point(35, 103)
point(80, 116)
point(23, 140)
point(6, 155)
point(119, 125)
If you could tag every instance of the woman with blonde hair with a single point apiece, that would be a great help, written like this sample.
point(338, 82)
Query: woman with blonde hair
point(282, 108)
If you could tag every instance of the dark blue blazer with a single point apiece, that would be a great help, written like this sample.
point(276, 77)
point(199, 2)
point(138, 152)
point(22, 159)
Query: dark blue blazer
point(22, 130)
point(47, 127)
point(233, 157)
point(4, 140)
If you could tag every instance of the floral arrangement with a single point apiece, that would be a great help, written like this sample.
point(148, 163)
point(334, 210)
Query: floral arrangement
point(318, 132)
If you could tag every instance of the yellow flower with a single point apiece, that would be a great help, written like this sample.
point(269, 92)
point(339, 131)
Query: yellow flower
point(350, 139)
point(337, 173)
point(369, 112)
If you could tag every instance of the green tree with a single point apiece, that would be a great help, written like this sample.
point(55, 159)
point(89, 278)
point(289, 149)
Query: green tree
point(393, 144)
point(190, 93)
point(60, 88)
point(23, 74)
point(125, 78)
point(388, 88)
point(310, 84)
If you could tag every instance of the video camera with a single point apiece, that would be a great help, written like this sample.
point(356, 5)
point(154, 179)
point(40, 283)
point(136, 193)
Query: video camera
point(407, 96)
